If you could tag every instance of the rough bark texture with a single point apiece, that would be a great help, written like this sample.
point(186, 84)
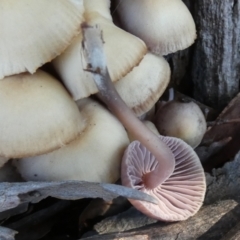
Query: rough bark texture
point(216, 57)
point(212, 64)
point(212, 222)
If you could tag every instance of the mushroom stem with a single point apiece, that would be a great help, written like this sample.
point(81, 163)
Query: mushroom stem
point(93, 46)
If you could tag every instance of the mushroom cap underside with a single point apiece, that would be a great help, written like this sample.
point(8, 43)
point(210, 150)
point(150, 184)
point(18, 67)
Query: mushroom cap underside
point(181, 195)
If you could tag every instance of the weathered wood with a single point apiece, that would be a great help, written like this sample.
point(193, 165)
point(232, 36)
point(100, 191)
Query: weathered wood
point(209, 223)
point(216, 56)
point(210, 68)
point(13, 194)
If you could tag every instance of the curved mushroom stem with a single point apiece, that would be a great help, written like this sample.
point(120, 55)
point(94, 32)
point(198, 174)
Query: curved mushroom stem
point(93, 45)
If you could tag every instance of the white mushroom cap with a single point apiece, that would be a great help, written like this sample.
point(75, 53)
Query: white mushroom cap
point(183, 120)
point(35, 32)
point(123, 52)
point(100, 6)
point(166, 26)
point(143, 86)
point(94, 156)
point(37, 115)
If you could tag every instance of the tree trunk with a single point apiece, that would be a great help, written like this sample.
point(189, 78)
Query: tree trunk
point(212, 65)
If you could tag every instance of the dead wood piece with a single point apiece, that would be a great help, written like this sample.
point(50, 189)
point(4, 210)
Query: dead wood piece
point(233, 234)
point(224, 182)
point(125, 221)
point(216, 61)
point(208, 223)
point(13, 194)
point(7, 234)
point(227, 125)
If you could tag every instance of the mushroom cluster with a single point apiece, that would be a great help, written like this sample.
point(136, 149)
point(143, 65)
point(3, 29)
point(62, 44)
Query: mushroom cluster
point(53, 128)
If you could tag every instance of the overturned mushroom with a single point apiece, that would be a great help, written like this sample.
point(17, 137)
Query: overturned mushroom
point(94, 156)
point(183, 178)
point(181, 195)
point(35, 32)
point(165, 26)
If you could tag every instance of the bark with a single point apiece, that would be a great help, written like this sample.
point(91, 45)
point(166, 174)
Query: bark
point(212, 222)
point(212, 64)
point(216, 57)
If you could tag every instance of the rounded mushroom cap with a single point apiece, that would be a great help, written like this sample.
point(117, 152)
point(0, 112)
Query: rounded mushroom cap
point(37, 115)
point(123, 52)
point(165, 26)
point(181, 195)
point(183, 120)
point(100, 6)
point(143, 86)
point(94, 156)
point(35, 32)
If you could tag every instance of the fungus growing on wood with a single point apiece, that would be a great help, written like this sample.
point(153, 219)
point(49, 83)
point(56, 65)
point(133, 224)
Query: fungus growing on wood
point(143, 86)
point(169, 161)
point(165, 26)
point(35, 32)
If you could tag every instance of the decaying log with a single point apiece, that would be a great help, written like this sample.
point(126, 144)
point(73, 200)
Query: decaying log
point(216, 57)
point(209, 223)
point(214, 220)
point(14, 194)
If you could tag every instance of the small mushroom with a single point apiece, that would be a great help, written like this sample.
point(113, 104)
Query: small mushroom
point(165, 26)
point(166, 167)
point(95, 155)
point(183, 120)
point(37, 115)
point(143, 86)
point(181, 195)
point(35, 32)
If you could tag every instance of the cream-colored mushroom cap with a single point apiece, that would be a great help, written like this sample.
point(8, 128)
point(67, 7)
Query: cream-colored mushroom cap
point(150, 125)
point(123, 52)
point(94, 156)
point(100, 6)
point(142, 87)
point(183, 120)
point(37, 115)
point(166, 26)
point(35, 32)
